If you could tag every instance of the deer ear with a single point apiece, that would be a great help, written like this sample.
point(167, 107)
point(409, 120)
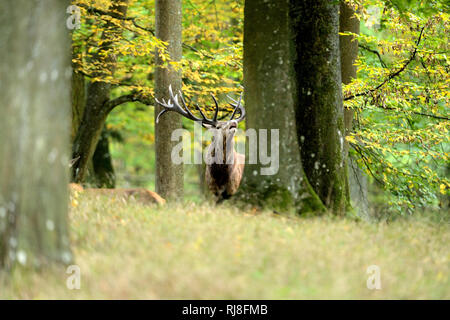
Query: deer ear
point(207, 126)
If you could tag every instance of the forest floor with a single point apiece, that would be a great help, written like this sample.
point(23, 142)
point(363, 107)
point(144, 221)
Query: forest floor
point(193, 251)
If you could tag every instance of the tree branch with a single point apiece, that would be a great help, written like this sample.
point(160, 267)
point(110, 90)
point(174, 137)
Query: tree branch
point(133, 20)
point(132, 97)
point(366, 163)
point(416, 113)
point(115, 16)
point(392, 75)
point(374, 52)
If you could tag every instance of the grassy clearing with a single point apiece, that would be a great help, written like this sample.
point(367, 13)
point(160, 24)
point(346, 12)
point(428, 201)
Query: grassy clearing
point(126, 250)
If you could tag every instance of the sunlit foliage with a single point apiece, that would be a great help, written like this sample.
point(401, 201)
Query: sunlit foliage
point(401, 100)
point(212, 46)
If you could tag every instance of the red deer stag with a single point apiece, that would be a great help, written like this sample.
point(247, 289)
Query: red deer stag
point(224, 166)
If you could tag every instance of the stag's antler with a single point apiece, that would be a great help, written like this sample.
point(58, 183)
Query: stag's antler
point(173, 105)
point(237, 106)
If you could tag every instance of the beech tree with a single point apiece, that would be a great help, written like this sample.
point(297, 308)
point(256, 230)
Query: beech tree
point(169, 176)
point(348, 44)
point(293, 83)
point(318, 105)
point(34, 132)
point(270, 101)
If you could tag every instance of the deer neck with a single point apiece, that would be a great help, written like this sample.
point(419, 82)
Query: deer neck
point(227, 156)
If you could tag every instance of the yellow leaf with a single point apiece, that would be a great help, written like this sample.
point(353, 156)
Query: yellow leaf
point(350, 139)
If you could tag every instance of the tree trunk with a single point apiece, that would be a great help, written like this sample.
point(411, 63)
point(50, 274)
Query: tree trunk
point(169, 176)
point(348, 22)
point(34, 132)
point(318, 104)
point(78, 101)
point(100, 171)
point(98, 92)
point(78, 91)
point(269, 101)
point(102, 163)
point(201, 178)
point(87, 138)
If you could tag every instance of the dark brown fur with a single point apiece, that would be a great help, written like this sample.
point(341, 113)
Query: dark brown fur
point(223, 179)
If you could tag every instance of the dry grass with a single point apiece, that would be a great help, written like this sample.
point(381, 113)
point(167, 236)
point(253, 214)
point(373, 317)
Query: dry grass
point(126, 250)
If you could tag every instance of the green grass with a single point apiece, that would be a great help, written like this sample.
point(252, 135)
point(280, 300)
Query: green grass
point(191, 251)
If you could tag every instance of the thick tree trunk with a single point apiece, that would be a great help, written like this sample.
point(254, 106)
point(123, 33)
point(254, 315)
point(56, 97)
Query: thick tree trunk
point(34, 132)
point(100, 171)
point(269, 101)
point(98, 93)
point(348, 22)
point(78, 92)
point(169, 176)
point(319, 109)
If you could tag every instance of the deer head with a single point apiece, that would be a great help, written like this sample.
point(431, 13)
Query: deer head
point(224, 130)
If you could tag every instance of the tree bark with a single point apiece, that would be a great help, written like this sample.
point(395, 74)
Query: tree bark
point(35, 77)
point(100, 171)
point(169, 176)
point(78, 92)
point(357, 180)
point(269, 101)
point(98, 94)
point(318, 104)
point(348, 22)
point(78, 102)
point(201, 178)
point(102, 163)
